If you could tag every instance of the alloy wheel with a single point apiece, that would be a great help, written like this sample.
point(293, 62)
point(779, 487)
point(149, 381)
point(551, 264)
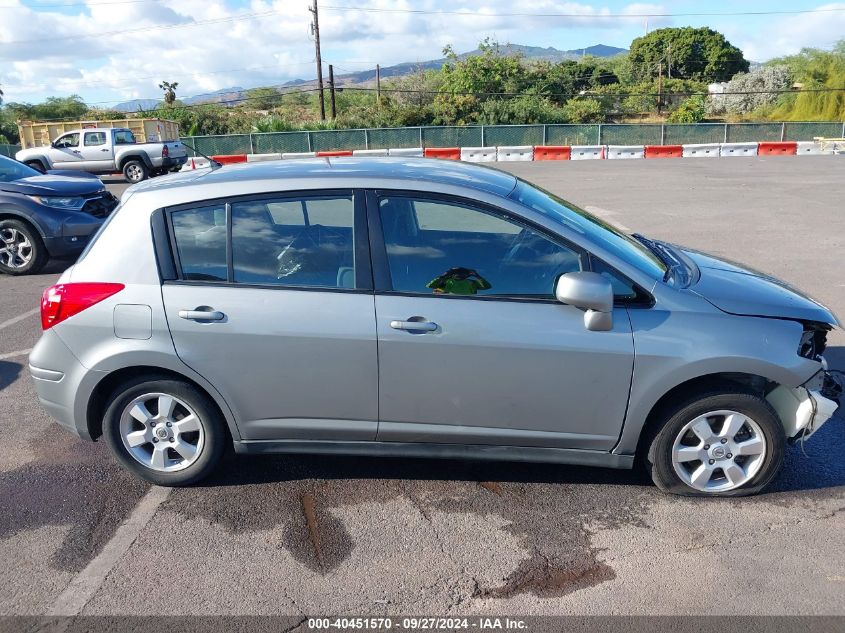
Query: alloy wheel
point(135, 173)
point(162, 432)
point(719, 451)
point(15, 248)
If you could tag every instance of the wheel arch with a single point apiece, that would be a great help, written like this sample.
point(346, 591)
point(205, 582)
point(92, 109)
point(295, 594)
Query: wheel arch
point(101, 394)
point(141, 156)
point(728, 381)
point(11, 213)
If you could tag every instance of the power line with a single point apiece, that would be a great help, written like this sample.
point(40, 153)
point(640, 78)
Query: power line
point(581, 15)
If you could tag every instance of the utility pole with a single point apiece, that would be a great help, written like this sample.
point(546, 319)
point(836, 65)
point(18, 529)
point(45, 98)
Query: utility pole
point(378, 86)
point(331, 91)
point(315, 26)
point(669, 59)
point(659, 86)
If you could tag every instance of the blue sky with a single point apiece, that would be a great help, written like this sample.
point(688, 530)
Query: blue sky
point(116, 50)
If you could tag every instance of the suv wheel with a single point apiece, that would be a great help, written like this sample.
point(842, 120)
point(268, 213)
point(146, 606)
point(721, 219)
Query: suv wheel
point(165, 431)
point(21, 249)
point(135, 171)
point(720, 444)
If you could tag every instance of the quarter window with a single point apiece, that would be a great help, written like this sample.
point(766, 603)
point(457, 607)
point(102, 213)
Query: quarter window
point(437, 247)
point(200, 236)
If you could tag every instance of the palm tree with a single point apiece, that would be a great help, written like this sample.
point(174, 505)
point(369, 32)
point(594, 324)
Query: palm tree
point(169, 91)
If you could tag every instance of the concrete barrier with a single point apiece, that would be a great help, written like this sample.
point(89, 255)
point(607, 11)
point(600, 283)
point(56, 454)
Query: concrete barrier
point(405, 151)
point(478, 154)
point(587, 152)
point(515, 153)
point(664, 151)
point(701, 150)
point(258, 158)
point(738, 149)
point(229, 159)
point(789, 148)
point(334, 152)
point(625, 151)
point(552, 152)
point(369, 152)
point(289, 155)
point(444, 153)
point(811, 148)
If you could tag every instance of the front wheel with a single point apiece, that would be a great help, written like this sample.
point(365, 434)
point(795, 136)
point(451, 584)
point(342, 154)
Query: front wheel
point(135, 171)
point(719, 444)
point(165, 431)
point(21, 250)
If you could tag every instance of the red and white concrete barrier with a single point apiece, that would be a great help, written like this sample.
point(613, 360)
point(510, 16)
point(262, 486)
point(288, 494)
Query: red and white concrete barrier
point(545, 152)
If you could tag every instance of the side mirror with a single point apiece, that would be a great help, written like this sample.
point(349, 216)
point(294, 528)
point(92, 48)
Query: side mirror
point(589, 292)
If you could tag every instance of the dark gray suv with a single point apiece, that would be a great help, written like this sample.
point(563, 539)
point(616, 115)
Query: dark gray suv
point(47, 215)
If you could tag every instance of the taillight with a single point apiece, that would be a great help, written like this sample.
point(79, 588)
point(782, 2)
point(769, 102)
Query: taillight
point(165, 152)
point(64, 300)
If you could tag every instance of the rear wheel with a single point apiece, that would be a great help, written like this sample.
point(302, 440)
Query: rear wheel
point(165, 431)
point(718, 444)
point(135, 171)
point(21, 250)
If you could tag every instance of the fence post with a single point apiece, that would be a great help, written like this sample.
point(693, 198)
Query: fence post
point(599, 139)
point(782, 131)
point(843, 130)
point(366, 139)
point(482, 136)
point(662, 134)
point(251, 146)
point(308, 136)
point(545, 134)
point(421, 137)
point(726, 133)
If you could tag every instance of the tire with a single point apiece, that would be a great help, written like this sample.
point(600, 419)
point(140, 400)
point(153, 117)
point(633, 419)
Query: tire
point(158, 451)
point(22, 252)
point(135, 171)
point(683, 460)
point(37, 165)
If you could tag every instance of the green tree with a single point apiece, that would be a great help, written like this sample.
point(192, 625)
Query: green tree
point(51, 109)
point(265, 98)
point(692, 110)
point(701, 54)
point(821, 75)
point(483, 75)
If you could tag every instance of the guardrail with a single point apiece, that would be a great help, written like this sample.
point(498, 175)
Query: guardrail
point(551, 135)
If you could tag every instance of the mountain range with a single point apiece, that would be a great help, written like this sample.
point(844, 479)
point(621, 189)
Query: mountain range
point(238, 94)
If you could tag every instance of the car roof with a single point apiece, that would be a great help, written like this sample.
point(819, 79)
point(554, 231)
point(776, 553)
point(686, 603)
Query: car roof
point(362, 170)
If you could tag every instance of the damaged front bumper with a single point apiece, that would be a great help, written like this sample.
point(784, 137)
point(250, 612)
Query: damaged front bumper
point(805, 409)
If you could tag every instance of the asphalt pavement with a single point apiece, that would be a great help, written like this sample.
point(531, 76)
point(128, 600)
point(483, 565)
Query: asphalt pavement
point(366, 536)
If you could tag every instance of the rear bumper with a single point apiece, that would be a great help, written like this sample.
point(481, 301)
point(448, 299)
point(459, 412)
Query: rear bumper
point(62, 383)
point(172, 163)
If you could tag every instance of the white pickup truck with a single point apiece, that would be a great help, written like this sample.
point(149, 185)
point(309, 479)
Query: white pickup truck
point(106, 151)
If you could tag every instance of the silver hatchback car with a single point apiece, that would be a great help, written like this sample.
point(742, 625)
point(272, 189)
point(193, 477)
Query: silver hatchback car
point(421, 308)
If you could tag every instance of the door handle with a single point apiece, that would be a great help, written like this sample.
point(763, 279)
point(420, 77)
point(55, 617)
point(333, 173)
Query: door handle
point(413, 325)
point(104, 150)
point(201, 315)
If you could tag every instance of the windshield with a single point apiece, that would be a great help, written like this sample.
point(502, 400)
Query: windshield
point(13, 170)
point(595, 229)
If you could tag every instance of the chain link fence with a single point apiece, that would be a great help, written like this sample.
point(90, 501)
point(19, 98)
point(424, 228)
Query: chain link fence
point(9, 150)
point(505, 135)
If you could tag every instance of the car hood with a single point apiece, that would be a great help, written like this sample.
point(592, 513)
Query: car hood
point(737, 289)
point(53, 185)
